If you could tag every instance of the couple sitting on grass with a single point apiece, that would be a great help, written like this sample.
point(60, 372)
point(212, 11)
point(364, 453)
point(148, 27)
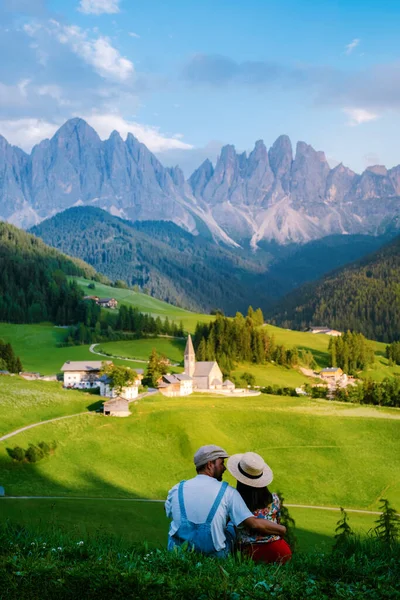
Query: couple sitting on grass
point(215, 519)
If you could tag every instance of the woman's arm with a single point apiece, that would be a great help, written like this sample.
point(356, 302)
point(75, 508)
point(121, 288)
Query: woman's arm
point(264, 526)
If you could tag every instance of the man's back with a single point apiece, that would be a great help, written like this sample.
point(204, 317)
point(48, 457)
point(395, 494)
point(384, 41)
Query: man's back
point(199, 495)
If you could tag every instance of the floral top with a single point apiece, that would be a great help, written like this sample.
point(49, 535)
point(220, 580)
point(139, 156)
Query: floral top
point(272, 512)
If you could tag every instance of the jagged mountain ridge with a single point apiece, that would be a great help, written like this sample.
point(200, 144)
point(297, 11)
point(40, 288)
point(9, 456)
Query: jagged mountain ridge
point(267, 195)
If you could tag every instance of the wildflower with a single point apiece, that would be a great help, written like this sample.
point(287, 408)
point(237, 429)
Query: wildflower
point(59, 548)
point(32, 543)
point(80, 543)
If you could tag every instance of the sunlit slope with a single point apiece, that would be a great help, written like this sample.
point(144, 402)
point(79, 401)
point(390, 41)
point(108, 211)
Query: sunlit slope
point(145, 304)
point(39, 349)
point(322, 453)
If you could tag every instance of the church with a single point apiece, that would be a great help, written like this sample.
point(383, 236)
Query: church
point(198, 375)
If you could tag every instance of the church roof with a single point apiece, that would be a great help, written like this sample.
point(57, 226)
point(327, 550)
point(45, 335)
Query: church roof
point(189, 346)
point(203, 368)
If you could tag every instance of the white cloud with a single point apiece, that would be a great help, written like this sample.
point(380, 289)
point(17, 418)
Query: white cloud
point(27, 132)
point(99, 7)
point(133, 34)
point(357, 116)
point(97, 52)
point(105, 123)
point(350, 47)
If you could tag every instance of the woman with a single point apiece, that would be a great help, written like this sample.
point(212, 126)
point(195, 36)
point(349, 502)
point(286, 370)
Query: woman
point(253, 475)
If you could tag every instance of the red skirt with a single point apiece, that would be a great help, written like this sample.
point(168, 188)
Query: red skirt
point(271, 552)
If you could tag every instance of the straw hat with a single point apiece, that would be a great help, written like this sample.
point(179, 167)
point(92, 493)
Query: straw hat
point(250, 468)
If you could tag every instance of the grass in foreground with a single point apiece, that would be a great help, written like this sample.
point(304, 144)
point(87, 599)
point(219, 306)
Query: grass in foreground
point(64, 567)
point(133, 522)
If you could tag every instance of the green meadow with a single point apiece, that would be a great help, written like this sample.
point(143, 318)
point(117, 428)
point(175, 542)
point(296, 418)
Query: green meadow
point(25, 402)
point(172, 348)
point(322, 453)
point(145, 303)
point(36, 345)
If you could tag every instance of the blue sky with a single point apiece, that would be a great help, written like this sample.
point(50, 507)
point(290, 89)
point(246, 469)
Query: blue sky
point(187, 77)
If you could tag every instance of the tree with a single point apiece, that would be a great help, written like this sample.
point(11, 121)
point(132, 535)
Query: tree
point(343, 531)
point(120, 376)
point(248, 378)
point(155, 368)
point(388, 525)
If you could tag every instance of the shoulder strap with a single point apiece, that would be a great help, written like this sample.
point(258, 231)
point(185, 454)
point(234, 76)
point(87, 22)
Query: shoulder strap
point(217, 502)
point(181, 501)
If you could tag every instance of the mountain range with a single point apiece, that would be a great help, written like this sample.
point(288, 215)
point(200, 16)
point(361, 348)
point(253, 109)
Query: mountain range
point(269, 195)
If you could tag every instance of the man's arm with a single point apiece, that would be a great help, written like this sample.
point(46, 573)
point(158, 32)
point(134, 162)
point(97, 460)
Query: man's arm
point(264, 526)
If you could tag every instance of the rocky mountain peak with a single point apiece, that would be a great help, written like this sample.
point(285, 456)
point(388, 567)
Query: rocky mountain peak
point(281, 156)
point(378, 170)
point(77, 128)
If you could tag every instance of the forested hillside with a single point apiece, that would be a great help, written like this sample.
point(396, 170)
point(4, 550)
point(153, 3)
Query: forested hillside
point(161, 258)
point(363, 297)
point(33, 282)
point(193, 271)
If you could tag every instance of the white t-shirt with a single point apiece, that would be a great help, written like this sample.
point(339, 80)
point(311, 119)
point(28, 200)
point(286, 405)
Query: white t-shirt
point(199, 494)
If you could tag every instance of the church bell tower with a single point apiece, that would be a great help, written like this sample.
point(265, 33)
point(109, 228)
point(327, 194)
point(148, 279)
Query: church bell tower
point(189, 357)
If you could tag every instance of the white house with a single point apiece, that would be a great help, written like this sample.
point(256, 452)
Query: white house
point(127, 393)
point(82, 374)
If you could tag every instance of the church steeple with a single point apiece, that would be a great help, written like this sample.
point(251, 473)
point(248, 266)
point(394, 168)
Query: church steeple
point(189, 357)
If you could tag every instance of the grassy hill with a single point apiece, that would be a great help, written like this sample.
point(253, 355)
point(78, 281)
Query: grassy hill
point(322, 453)
point(145, 303)
point(36, 345)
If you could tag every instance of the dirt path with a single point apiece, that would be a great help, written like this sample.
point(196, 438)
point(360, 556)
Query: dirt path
point(150, 392)
point(93, 351)
point(8, 435)
point(139, 360)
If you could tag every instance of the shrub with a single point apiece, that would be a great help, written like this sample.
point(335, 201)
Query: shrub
point(16, 453)
point(343, 532)
point(34, 454)
point(388, 525)
point(248, 378)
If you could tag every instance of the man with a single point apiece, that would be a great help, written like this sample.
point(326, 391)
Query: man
point(200, 508)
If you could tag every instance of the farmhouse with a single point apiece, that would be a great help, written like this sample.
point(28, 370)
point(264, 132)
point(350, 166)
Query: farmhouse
point(175, 385)
point(82, 374)
point(331, 374)
point(116, 407)
point(103, 302)
point(108, 302)
point(128, 393)
point(324, 330)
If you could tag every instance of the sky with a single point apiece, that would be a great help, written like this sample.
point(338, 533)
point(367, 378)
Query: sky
point(187, 77)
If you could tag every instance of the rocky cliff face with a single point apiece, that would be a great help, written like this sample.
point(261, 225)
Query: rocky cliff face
point(269, 194)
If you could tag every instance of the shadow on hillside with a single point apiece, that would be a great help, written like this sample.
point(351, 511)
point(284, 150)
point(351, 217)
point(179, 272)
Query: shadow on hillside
point(321, 357)
point(97, 405)
point(180, 344)
point(83, 511)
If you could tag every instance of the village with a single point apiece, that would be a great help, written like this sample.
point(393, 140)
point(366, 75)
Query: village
point(198, 376)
